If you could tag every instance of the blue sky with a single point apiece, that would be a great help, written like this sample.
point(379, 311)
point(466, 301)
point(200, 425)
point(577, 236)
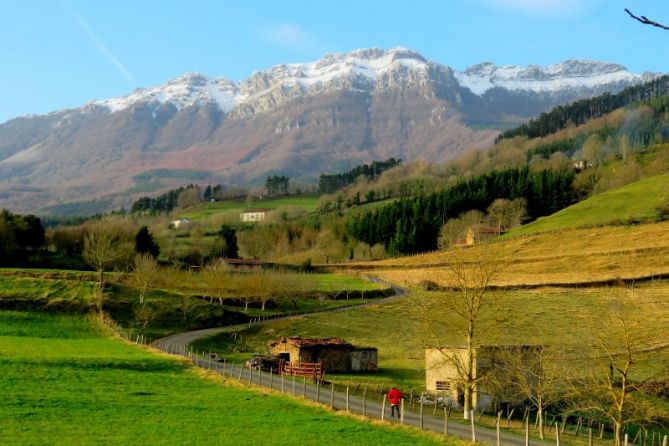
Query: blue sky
point(63, 53)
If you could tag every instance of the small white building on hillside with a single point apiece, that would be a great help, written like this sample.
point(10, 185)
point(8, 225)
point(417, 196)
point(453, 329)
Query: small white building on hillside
point(253, 215)
point(180, 223)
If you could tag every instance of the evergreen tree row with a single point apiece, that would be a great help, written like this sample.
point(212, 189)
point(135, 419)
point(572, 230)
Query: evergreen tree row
point(18, 234)
point(276, 184)
point(329, 183)
point(581, 111)
point(412, 225)
point(162, 203)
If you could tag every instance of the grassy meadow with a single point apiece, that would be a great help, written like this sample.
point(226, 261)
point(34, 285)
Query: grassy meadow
point(562, 257)
point(555, 317)
point(177, 303)
point(66, 382)
point(639, 201)
point(206, 211)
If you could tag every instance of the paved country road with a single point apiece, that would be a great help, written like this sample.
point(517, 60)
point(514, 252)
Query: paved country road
point(371, 406)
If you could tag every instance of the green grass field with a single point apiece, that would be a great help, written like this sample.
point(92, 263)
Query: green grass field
point(72, 291)
point(555, 317)
point(307, 202)
point(64, 382)
point(632, 203)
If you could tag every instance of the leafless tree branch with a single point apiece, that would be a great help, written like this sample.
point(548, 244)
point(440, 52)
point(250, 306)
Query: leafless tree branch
point(646, 21)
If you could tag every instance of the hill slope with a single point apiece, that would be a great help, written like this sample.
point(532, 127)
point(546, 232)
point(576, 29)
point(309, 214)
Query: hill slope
point(639, 201)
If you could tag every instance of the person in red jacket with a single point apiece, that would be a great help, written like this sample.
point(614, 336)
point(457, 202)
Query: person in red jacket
point(394, 397)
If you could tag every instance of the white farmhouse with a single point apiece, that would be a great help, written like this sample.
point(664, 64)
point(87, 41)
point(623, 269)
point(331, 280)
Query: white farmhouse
point(253, 215)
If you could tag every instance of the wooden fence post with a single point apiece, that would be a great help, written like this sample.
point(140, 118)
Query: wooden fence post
point(446, 413)
point(241, 371)
point(402, 411)
point(383, 409)
point(282, 379)
point(499, 418)
point(318, 391)
point(625, 440)
point(664, 441)
point(259, 376)
point(347, 400)
point(293, 384)
point(421, 410)
point(364, 401)
point(434, 412)
point(527, 432)
point(304, 387)
point(271, 378)
point(471, 417)
point(589, 436)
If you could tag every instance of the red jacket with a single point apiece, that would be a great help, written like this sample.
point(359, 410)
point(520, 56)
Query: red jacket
point(394, 396)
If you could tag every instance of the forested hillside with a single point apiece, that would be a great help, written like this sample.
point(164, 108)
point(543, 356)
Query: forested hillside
point(579, 112)
point(412, 225)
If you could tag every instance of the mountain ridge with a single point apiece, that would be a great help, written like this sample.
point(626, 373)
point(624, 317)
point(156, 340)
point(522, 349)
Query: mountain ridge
point(296, 119)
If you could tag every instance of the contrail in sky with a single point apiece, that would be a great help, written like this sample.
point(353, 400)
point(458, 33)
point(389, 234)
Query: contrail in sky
point(98, 43)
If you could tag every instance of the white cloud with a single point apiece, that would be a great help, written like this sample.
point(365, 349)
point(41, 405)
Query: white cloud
point(542, 7)
point(102, 48)
point(288, 35)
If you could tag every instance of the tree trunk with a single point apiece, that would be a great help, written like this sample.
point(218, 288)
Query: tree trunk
point(246, 306)
point(467, 406)
point(617, 432)
point(540, 414)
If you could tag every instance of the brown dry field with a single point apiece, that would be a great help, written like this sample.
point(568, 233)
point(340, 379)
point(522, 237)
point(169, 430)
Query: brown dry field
point(565, 257)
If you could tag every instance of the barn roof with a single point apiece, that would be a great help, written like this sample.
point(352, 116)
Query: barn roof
point(486, 229)
point(312, 342)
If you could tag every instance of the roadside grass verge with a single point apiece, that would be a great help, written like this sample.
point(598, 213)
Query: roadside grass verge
point(65, 383)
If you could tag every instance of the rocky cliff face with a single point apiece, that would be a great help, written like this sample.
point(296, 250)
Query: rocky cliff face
point(297, 119)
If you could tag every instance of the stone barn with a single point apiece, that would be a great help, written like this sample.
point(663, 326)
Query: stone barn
point(336, 354)
point(441, 369)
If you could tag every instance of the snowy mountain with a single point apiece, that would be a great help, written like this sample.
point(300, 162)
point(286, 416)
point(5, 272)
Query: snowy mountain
point(298, 119)
point(369, 70)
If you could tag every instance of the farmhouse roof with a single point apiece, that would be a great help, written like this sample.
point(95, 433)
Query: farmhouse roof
point(486, 229)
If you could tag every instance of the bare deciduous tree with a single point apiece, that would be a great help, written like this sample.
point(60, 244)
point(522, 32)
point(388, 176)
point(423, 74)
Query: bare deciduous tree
point(610, 388)
point(468, 276)
point(530, 374)
point(144, 274)
point(217, 280)
point(105, 248)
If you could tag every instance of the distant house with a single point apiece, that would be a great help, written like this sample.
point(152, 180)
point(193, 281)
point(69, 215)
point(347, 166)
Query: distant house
point(180, 223)
point(441, 369)
point(335, 354)
point(253, 215)
point(480, 233)
point(580, 165)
